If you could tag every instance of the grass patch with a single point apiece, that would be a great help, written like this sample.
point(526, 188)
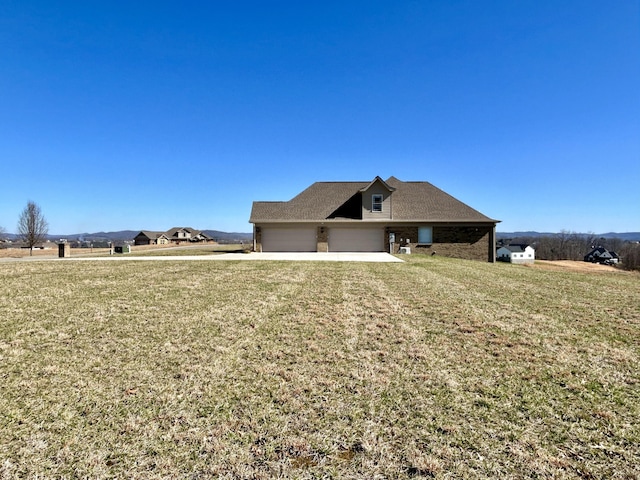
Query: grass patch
point(431, 368)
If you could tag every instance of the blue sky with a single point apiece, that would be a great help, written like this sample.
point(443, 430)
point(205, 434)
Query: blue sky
point(153, 114)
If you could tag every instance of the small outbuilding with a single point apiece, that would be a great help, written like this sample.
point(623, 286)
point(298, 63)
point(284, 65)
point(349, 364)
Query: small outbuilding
point(64, 250)
point(516, 253)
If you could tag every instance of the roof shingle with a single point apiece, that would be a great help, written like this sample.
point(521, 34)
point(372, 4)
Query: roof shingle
point(411, 201)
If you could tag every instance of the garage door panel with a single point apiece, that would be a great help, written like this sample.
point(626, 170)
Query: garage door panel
point(356, 239)
point(289, 239)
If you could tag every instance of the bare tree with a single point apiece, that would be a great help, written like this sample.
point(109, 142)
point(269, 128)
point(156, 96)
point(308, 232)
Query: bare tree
point(630, 256)
point(32, 226)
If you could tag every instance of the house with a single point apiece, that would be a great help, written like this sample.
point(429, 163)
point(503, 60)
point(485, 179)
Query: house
point(174, 235)
point(182, 234)
point(602, 255)
point(374, 216)
point(147, 237)
point(516, 253)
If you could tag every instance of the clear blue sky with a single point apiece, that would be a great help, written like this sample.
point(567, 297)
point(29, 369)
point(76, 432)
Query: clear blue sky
point(152, 114)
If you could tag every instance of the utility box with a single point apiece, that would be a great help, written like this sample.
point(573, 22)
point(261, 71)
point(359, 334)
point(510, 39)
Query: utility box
point(64, 250)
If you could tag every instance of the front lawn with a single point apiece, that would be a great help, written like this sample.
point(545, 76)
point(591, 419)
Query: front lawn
point(431, 368)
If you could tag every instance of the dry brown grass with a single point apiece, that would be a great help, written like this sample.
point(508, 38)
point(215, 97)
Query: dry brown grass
point(49, 252)
point(24, 252)
point(137, 250)
point(433, 368)
point(576, 266)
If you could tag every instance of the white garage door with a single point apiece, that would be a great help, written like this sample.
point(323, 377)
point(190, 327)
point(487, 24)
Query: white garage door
point(356, 239)
point(289, 239)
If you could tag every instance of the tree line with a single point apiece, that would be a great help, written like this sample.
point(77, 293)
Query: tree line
point(575, 246)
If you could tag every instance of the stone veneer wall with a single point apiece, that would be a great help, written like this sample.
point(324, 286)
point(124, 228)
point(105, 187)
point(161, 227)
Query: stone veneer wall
point(322, 236)
point(470, 243)
point(257, 239)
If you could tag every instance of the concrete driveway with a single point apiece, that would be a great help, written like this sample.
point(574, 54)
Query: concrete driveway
point(314, 256)
point(283, 256)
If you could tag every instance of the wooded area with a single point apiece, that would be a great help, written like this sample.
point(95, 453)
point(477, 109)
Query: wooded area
point(574, 246)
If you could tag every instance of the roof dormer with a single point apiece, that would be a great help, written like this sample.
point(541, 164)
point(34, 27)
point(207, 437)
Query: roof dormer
point(377, 183)
point(376, 200)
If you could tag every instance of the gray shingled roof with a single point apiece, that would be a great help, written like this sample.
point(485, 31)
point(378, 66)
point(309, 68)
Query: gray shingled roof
point(173, 232)
point(411, 201)
point(515, 248)
point(315, 203)
point(150, 234)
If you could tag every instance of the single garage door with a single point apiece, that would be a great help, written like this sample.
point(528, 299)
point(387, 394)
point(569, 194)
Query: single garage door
point(289, 239)
point(356, 239)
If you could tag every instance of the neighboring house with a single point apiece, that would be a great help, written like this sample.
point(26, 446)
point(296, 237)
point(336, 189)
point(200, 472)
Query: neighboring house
point(516, 253)
point(147, 237)
point(602, 255)
point(175, 235)
point(186, 234)
point(374, 216)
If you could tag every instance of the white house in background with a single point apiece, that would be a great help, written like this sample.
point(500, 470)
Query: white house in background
point(516, 253)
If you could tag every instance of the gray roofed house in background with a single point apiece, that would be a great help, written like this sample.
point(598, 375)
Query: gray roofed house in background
point(147, 237)
point(375, 215)
point(175, 235)
point(179, 234)
point(602, 255)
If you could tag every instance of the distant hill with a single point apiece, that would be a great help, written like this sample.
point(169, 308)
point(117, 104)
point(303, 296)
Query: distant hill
point(628, 236)
point(230, 237)
point(501, 235)
point(100, 236)
point(125, 235)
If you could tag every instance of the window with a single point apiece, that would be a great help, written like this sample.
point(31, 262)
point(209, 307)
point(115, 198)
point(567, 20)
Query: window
point(425, 235)
point(376, 203)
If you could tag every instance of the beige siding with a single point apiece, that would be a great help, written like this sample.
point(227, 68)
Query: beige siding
point(367, 203)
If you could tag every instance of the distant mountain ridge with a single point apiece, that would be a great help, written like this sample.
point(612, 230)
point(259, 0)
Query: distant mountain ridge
point(124, 235)
point(627, 236)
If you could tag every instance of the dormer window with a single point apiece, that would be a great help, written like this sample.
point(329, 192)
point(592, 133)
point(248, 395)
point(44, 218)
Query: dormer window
point(376, 203)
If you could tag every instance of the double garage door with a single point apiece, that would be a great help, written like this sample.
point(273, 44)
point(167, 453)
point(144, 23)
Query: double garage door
point(356, 239)
point(303, 239)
